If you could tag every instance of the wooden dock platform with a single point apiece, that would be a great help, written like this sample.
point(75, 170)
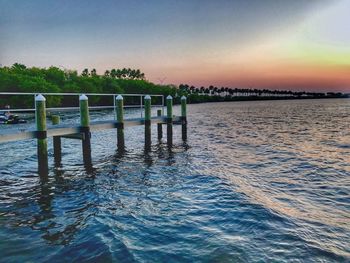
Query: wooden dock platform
point(83, 131)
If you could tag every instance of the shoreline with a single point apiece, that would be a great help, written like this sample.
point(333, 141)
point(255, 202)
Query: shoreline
point(207, 99)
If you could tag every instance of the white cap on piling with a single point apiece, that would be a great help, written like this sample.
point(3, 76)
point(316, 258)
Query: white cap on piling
point(183, 98)
point(147, 97)
point(169, 97)
point(83, 97)
point(119, 97)
point(40, 97)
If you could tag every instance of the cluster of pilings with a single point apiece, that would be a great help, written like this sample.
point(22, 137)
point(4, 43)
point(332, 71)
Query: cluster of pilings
point(84, 129)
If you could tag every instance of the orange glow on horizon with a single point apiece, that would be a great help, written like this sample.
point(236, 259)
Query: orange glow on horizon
point(277, 76)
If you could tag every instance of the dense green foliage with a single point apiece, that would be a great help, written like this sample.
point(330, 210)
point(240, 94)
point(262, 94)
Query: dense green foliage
point(19, 78)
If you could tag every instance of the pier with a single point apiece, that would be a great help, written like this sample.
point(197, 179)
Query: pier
point(83, 131)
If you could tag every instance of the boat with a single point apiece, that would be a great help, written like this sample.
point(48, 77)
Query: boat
point(11, 119)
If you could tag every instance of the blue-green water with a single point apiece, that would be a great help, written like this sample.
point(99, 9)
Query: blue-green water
point(256, 182)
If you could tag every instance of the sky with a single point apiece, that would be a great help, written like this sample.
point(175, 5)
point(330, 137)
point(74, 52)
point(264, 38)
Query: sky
point(294, 45)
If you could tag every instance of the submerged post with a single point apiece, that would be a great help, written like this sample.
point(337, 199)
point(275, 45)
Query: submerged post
point(84, 127)
point(184, 117)
point(147, 122)
point(40, 119)
point(169, 109)
point(120, 122)
point(159, 126)
point(56, 142)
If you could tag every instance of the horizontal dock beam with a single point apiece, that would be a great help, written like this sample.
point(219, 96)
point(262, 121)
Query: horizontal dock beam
point(68, 130)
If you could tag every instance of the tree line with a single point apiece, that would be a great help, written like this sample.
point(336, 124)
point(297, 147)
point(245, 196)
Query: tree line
point(124, 73)
point(19, 78)
point(249, 93)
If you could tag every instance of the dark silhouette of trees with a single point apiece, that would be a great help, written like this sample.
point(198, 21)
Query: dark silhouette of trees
point(85, 72)
point(93, 72)
point(113, 73)
point(226, 93)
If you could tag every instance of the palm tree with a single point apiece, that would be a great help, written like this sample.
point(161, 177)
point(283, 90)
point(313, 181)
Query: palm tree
point(85, 72)
point(231, 92)
point(107, 73)
point(227, 91)
point(118, 74)
point(123, 73)
point(138, 74)
point(93, 72)
point(128, 73)
point(222, 91)
point(202, 90)
point(18, 66)
point(113, 73)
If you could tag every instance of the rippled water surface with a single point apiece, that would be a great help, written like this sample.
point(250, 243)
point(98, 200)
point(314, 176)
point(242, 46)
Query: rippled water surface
point(256, 182)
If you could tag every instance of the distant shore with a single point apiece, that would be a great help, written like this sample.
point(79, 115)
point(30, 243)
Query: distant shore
point(194, 98)
point(21, 79)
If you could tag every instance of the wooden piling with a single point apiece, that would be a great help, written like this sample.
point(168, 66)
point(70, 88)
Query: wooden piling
point(169, 108)
point(40, 119)
point(120, 122)
point(57, 148)
point(85, 128)
point(184, 117)
point(159, 126)
point(147, 122)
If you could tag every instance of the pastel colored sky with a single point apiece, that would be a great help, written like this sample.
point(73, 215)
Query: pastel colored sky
point(297, 45)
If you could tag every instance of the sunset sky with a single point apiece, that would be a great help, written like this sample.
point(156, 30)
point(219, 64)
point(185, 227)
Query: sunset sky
point(298, 45)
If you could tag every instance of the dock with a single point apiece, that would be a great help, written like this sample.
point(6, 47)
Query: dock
point(83, 131)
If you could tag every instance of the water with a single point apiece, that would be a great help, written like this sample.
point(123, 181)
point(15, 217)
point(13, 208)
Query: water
point(256, 182)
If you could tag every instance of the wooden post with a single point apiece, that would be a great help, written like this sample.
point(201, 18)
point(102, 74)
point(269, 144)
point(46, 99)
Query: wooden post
point(147, 122)
point(120, 122)
point(169, 109)
point(184, 117)
point(84, 128)
point(56, 142)
point(40, 119)
point(159, 126)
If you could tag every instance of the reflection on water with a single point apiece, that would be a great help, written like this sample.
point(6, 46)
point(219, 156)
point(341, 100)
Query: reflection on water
point(256, 181)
